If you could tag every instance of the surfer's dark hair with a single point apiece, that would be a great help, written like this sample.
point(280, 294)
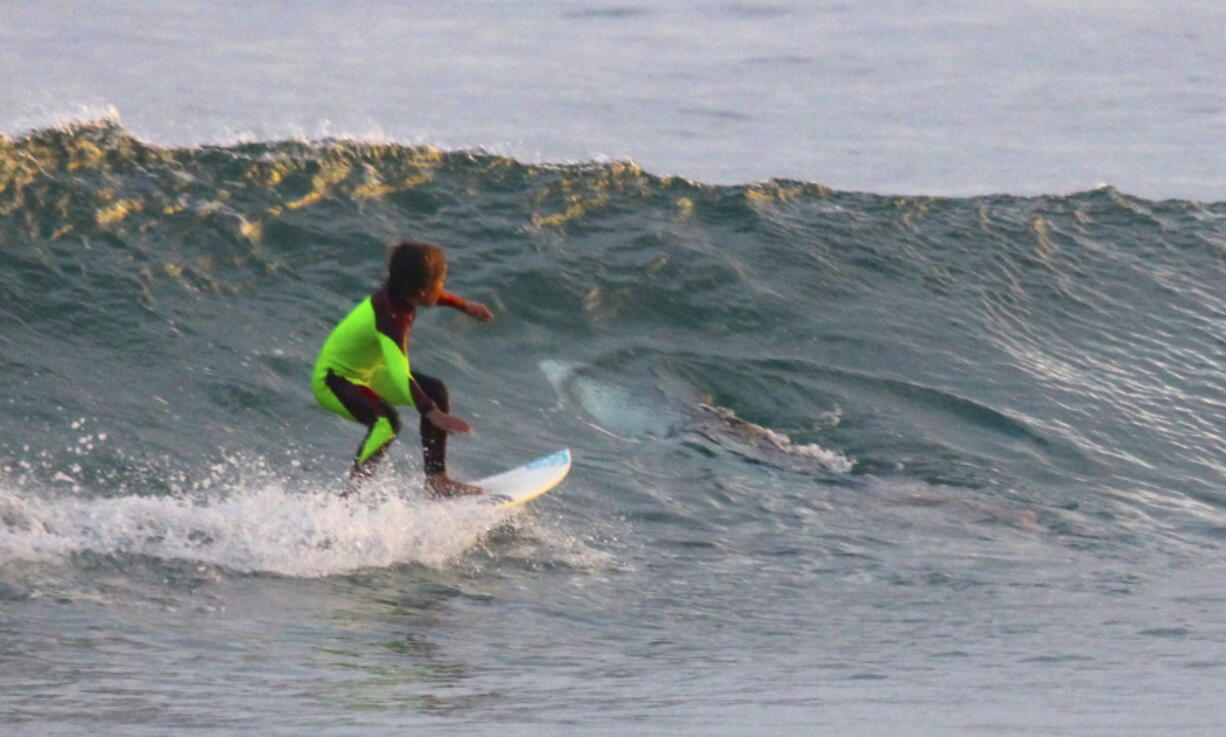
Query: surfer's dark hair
point(412, 267)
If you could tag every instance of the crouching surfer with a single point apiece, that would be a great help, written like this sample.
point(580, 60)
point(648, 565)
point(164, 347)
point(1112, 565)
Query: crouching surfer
point(363, 367)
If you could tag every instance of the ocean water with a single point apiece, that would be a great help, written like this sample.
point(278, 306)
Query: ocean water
point(913, 97)
point(940, 456)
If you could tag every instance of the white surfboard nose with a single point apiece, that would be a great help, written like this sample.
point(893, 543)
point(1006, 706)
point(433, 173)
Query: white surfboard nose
point(527, 482)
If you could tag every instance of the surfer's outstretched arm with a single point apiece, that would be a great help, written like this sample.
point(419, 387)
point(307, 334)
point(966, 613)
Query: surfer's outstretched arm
point(475, 310)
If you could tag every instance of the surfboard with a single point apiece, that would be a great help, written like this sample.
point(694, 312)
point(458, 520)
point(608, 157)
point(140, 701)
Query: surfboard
point(525, 483)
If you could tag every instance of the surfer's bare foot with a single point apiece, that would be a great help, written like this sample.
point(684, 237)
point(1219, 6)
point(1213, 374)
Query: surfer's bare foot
point(441, 485)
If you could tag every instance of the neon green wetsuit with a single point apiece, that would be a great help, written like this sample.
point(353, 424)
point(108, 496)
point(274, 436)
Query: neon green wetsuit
point(357, 356)
point(363, 369)
point(356, 350)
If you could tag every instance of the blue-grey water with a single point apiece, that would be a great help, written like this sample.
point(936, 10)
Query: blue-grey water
point(890, 96)
point(887, 337)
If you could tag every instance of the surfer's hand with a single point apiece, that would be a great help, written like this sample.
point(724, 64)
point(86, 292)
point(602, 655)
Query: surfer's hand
point(478, 311)
point(448, 423)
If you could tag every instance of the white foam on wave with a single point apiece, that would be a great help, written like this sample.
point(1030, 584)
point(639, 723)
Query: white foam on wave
point(831, 460)
point(53, 115)
point(265, 527)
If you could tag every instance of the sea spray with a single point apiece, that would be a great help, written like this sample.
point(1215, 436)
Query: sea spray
point(273, 527)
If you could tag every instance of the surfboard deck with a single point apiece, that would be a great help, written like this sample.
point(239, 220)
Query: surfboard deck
point(525, 483)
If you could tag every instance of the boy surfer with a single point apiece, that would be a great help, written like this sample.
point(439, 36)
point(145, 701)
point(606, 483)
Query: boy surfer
point(363, 367)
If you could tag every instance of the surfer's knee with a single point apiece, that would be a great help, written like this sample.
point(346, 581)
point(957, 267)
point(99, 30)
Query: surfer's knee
point(389, 413)
point(435, 389)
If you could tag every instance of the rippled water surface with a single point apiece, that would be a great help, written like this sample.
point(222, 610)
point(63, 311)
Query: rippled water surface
point(845, 463)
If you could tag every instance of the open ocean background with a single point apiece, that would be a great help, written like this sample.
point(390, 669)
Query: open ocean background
point(888, 338)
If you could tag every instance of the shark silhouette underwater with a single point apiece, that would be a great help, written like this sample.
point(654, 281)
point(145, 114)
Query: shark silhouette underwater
point(618, 411)
point(685, 417)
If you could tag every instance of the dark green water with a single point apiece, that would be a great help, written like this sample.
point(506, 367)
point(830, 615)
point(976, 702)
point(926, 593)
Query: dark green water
point(831, 448)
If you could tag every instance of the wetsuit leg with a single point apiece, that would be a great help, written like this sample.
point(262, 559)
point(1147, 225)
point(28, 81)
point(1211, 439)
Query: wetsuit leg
point(380, 417)
point(433, 440)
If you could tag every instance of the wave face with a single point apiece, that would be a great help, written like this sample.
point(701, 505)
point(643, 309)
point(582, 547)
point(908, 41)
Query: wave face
point(1056, 361)
point(837, 454)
